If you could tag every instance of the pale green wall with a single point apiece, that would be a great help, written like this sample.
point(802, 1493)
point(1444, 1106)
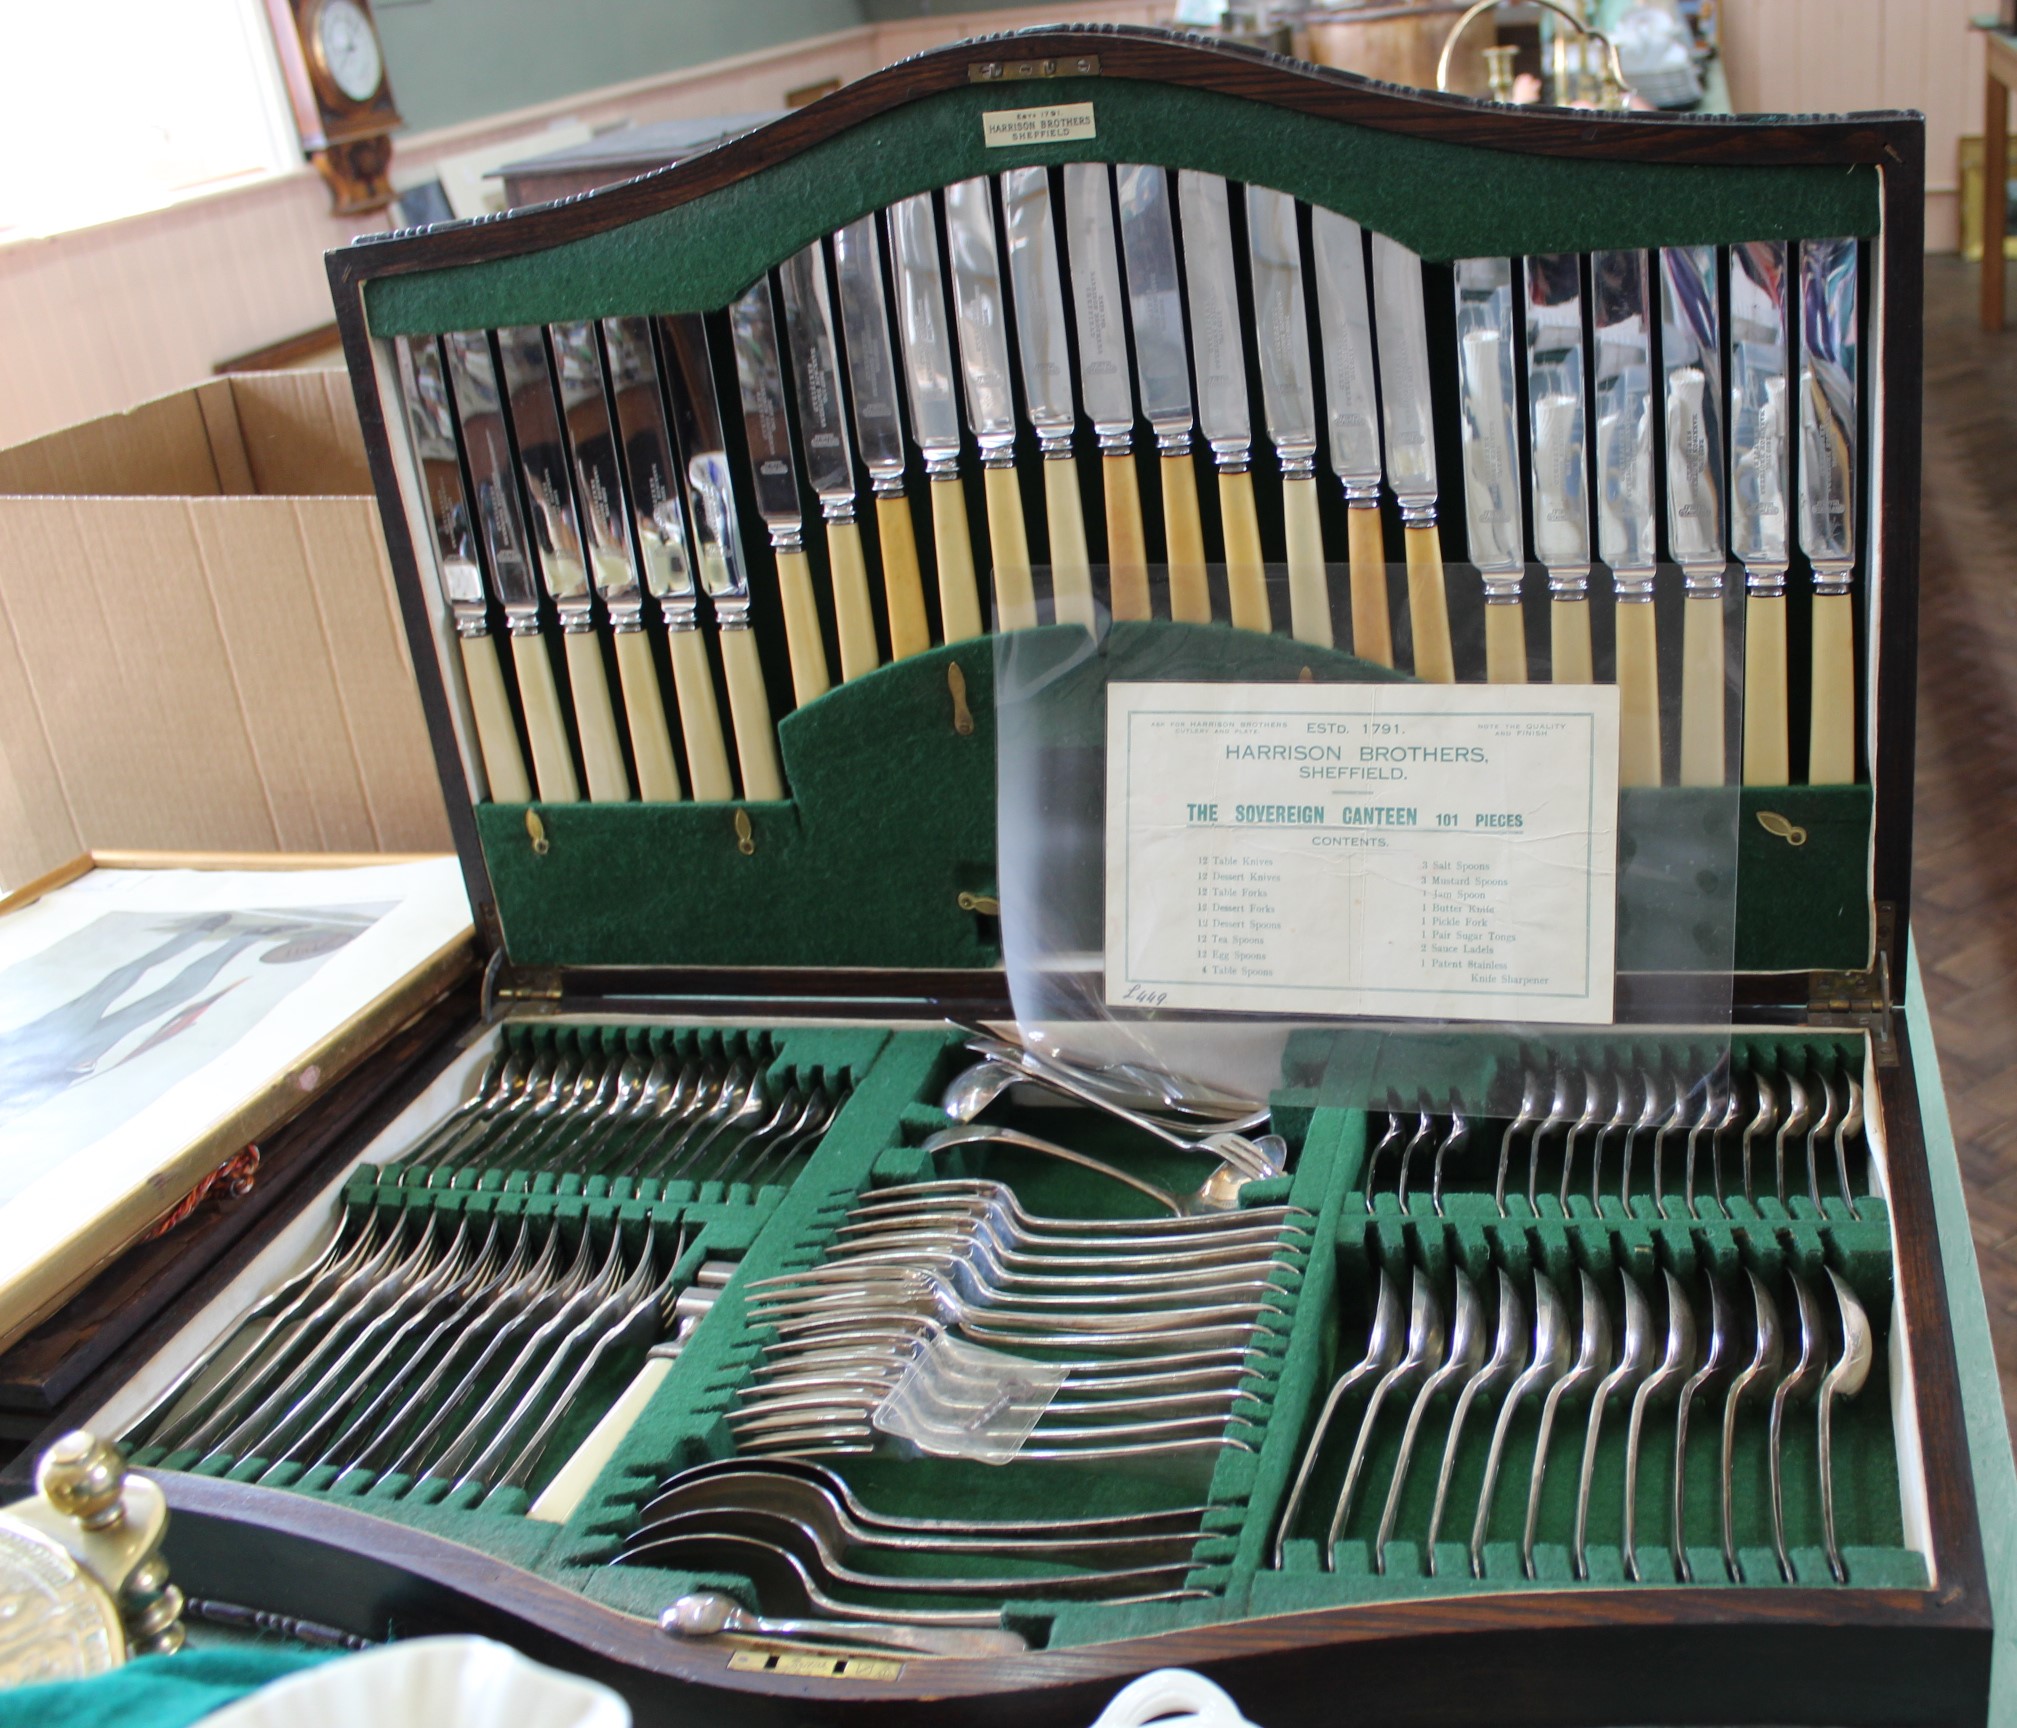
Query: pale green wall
point(453, 60)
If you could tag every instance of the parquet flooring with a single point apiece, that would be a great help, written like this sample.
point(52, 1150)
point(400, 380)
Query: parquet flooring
point(1964, 910)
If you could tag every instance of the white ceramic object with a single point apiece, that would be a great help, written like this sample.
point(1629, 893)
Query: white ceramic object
point(428, 1683)
point(1175, 1698)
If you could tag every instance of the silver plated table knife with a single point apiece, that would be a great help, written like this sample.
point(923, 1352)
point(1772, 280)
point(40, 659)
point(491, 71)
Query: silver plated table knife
point(1828, 413)
point(1760, 495)
point(1620, 308)
point(1489, 438)
point(1691, 355)
point(1557, 422)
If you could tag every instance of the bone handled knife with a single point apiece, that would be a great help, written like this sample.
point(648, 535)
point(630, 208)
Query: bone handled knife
point(759, 366)
point(878, 430)
point(934, 409)
point(1163, 376)
point(829, 463)
point(1289, 401)
point(717, 545)
point(1621, 319)
point(1407, 415)
point(612, 563)
point(664, 552)
point(430, 417)
point(1760, 495)
point(1345, 323)
point(981, 312)
point(1557, 433)
point(1828, 417)
point(1105, 379)
point(1221, 358)
point(1039, 300)
point(1691, 357)
point(532, 405)
point(493, 481)
point(1489, 437)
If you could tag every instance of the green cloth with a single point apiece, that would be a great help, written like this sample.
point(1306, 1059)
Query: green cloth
point(154, 1691)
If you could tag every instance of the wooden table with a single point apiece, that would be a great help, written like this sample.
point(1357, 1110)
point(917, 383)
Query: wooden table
point(1999, 55)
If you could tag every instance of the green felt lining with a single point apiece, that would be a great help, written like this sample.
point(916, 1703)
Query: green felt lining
point(1443, 200)
point(896, 1078)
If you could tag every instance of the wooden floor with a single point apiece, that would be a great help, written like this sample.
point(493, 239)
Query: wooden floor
point(1964, 910)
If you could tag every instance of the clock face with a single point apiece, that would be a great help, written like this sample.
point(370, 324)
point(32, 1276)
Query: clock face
point(347, 46)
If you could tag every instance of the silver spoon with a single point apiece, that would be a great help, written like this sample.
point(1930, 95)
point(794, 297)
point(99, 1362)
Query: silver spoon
point(1712, 1365)
point(1795, 1388)
point(708, 1613)
point(1426, 1331)
point(1466, 1358)
point(1635, 1362)
point(1675, 1367)
point(1383, 1350)
point(1844, 1379)
point(1550, 1362)
point(1593, 1352)
point(1766, 1355)
point(1507, 1353)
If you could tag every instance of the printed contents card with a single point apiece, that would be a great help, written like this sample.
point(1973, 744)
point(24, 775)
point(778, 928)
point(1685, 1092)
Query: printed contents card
point(1396, 850)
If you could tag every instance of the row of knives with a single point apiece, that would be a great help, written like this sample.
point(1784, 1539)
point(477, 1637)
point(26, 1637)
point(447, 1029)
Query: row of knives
point(551, 459)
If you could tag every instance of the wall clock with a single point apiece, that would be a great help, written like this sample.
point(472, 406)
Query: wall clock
point(335, 70)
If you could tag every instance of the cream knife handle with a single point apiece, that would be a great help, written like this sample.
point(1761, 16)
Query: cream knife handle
point(644, 707)
point(852, 611)
point(1638, 694)
point(1569, 642)
point(1127, 542)
point(559, 1498)
point(1015, 599)
point(1429, 606)
point(1831, 747)
point(902, 586)
point(595, 719)
point(699, 717)
point(1184, 541)
point(1702, 690)
point(496, 731)
point(1246, 575)
point(1071, 567)
point(952, 544)
point(1372, 626)
point(810, 678)
point(1309, 581)
point(749, 709)
point(1505, 642)
point(545, 725)
point(1768, 757)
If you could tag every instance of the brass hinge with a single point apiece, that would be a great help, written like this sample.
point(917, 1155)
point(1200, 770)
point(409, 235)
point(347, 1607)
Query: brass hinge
point(520, 986)
point(1009, 71)
point(1861, 1000)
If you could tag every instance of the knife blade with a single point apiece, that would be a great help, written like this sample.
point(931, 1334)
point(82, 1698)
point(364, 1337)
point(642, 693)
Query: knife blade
point(1828, 387)
point(538, 426)
point(1345, 325)
point(1622, 320)
point(1105, 378)
point(430, 419)
point(1691, 356)
point(1038, 299)
point(759, 367)
point(659, 532)
point(1557, 434)
point(493, 477)
point(1760, 464)
point(1219, 352)
point(1163, 375)
point(1407, 418)
point(829, 463)
point(934, 411)
point(1289, 400)
point(717, 539)
point(981, 314)
point(878, 428)
point(1489, 438)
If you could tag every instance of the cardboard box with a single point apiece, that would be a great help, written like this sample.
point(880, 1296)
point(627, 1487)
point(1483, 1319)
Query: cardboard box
point(201, 648)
